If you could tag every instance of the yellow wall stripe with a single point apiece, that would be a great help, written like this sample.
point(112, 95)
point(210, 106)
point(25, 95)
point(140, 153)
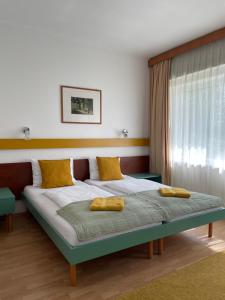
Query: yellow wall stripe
point(7, 144)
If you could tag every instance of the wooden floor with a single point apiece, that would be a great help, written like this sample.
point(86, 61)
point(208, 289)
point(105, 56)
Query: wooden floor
point(32, 268)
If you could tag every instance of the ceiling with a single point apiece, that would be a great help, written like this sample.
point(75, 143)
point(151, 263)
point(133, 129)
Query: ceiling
point(143, 27)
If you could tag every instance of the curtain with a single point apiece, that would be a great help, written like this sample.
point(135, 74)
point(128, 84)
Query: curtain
point(159, 118)
point(197, 119)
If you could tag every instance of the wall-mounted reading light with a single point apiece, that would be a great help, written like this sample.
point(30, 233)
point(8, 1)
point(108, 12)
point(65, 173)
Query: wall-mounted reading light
point(125, 133)
point(26, 132)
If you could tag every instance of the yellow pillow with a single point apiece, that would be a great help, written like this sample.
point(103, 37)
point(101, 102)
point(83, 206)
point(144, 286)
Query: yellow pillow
point(55, 173)
point(109, 168)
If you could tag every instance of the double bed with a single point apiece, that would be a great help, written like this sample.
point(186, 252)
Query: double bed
point(41, 205)
point(44, 206)
point(48, 201)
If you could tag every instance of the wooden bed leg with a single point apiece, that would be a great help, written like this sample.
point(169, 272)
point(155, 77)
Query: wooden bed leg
point(150, 249)
point(210, 230)
point(9, 222)
point(73, 275)
point(160, 246)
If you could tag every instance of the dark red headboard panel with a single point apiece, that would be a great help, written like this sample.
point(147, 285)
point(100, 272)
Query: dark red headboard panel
point(81, 169)
point(17, 175)
point(134, 164)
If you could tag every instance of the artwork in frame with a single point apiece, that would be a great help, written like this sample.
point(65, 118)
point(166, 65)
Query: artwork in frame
point(81, 105)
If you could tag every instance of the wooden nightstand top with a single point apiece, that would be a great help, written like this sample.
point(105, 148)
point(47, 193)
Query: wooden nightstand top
point(144, 175)
point(148, 176)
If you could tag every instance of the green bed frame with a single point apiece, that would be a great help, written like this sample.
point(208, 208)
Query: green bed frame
point(91, 250)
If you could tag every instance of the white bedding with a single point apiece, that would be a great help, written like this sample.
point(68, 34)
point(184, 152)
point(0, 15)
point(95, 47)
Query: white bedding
point(133, 185)
point(126, 185)
point(47, 207)
point(64, 196)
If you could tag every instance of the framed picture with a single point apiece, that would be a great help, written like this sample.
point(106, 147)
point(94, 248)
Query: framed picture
point(81, 105)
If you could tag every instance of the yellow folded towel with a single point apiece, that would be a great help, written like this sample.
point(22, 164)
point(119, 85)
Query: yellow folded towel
point(167, 192)
point(109, 203)
point(182, 193)
point(175, 192)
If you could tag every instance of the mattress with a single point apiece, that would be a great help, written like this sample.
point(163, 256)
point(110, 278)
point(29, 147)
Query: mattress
point(133, 185)
point(48, 209)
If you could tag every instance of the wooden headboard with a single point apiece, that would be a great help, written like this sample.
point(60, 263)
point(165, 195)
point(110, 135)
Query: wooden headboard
point(17, 175)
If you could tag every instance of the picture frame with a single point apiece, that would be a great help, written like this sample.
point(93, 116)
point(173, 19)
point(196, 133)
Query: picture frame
point(81, 105)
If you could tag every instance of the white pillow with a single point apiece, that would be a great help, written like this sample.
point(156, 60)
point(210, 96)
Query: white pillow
point(36, 172)
point(93, 169)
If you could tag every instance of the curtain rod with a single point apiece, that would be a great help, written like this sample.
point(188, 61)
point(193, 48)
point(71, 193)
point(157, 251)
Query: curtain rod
point(203, 40)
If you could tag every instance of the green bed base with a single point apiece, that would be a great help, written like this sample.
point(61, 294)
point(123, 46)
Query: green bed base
point(94, 249)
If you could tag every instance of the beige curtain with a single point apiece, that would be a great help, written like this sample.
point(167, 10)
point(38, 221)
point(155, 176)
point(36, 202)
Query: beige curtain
point(159, 120)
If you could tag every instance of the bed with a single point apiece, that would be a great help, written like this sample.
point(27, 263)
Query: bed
point(129, 185)
point(75, 252)
point(63, 234)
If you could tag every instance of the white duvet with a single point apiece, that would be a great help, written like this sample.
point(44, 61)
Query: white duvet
point(126, 185)
point(62, 197)
point(135, 186)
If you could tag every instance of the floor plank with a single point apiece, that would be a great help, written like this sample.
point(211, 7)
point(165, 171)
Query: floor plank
point(32, 268)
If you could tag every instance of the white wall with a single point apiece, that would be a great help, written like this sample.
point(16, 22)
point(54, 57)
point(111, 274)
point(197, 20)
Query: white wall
point(24, 155)
point(32, 68)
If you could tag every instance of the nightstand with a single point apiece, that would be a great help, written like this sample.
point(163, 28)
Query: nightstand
point(7, 207)
point(148, 176)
